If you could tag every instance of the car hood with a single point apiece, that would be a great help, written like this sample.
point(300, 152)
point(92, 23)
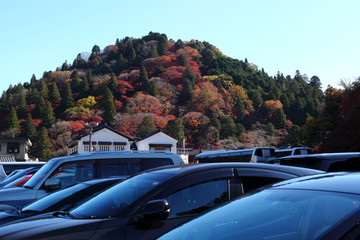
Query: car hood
point(48, 225)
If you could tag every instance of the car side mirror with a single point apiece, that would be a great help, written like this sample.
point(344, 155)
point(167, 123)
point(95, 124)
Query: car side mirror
point(156, 210)
point(52, 184)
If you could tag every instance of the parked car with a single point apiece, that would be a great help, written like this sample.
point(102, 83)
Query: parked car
point(18, 174)
point(19, 182)
point(152, 202)
point(321, 207)
point(59, 173)
point(329, 162)
point(254, 155)
point(62, 200)
point(292, 151)
point(6, 168)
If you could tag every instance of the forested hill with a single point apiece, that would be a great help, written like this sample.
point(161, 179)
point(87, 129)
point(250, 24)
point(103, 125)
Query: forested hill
point(188, 89)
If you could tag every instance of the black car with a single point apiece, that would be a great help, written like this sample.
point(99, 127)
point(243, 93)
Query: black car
point(18, 174)
point(321, 207)
point(62, 200)
point(153, 202)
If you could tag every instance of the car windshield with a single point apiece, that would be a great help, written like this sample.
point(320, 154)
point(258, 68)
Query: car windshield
point(35, 179)
point(114, 200)
point(50, 200)
point(271, 214)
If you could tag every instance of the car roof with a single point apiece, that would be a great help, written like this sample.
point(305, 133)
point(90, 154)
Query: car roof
point(189, 168)
point(115, 154)
point(215, 153)
point(346, 182)
point(325, 156)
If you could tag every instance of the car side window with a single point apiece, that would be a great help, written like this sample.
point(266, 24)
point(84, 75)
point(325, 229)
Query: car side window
point(252, 182)
point(73, 172)
point(117, 167)
point(197, 198)
point(149, 163)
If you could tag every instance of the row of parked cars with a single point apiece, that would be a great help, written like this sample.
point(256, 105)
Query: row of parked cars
point(137, 195)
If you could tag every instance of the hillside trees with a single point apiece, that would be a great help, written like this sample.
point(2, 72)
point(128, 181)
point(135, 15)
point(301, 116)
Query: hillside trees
point(188, 89)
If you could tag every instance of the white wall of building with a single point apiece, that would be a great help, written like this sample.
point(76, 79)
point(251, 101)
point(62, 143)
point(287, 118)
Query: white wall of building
point(104, 135)
point(159, 138)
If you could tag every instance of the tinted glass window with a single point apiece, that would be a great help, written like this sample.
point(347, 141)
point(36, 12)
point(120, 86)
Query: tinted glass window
point(116, 199)
point(34, 180)
point(283, 153)
point(197, 198)
point(118, 167)
point(45, 202)
point(252, 183)
point(156, 162)
point(279, 214)
point(73, 172)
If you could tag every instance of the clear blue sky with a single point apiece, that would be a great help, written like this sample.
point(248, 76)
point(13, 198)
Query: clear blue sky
point(316, 37)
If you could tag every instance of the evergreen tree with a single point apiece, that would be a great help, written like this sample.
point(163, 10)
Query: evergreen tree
point(144, 79)
point(75, 81)
point(256, 98)
point(216, 123)
point(13, 122)
point(153, 90)
point(89, 78)
point(190, 75)
point(175, 129)
point(153, 52)
point(44, 90)
point(84, 88)
point(67, 100)
point(130, 53)
point(162, 45)
point(270, 129)
point(239, 109)
point(22, 109)
point(108, 106)
point(33, 80)
point(95, 49)
point(48, 116)
point(146, 126)
point(29, 130)
point(186, 93)
point(54, 92)
point(113, 83)
point(183, 60)
point(43, 146)
point(279, 118)
point(179, 44)
point(228, 127)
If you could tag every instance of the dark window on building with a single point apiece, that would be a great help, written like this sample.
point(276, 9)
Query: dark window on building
point(13, 147)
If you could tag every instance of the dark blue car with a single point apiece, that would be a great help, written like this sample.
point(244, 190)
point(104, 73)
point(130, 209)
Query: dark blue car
point(153, 202)
point(62, 200)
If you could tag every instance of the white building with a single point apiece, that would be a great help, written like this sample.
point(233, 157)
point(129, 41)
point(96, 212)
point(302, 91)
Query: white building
point(105, 138)
point(102, 138)
point(156, 141)
point(14, 149)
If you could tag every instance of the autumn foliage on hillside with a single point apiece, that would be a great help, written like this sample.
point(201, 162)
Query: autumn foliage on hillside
point(188, 89)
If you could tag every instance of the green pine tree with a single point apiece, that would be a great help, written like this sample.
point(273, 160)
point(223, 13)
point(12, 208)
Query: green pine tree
point(43, 146)
point(146, 126)
point(22, 109)
point(175, 129)
point(54, 92)
point(44, 90)
point(109, 107)
point(13, 122)
point(67, 100)
point(144, 79)
point(48, 116)
point(29, 130)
